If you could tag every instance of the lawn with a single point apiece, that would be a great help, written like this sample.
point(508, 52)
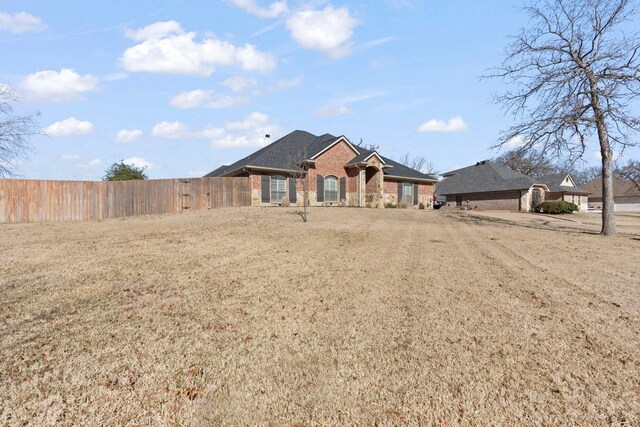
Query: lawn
point(361, 316)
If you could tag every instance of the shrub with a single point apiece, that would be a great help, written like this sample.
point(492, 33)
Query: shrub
point(285, 203)
point(557, 207)
point(421, 205)
point(390, 205)
point(402, 205)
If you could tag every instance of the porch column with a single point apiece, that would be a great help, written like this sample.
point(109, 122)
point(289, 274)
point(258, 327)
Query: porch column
point(362, 186)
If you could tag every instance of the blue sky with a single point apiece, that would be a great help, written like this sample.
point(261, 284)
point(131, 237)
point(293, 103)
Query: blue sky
point(185, 86)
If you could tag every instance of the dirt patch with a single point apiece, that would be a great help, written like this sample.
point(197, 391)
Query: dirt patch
point(361, 316)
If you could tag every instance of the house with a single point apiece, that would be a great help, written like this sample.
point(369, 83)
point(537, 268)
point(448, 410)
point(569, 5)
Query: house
point(626, 195)
point(563, 187)
point(488, 185)
point(339, 172)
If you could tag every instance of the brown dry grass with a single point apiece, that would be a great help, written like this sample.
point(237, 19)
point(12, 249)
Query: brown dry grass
point(250, 317)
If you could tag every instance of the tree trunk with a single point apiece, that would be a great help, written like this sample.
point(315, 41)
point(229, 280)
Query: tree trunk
point(608, 220)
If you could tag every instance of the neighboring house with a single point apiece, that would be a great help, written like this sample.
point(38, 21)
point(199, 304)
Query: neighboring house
point(488, 185)
point(626, 195)
point(563, 187)
point(338, 171)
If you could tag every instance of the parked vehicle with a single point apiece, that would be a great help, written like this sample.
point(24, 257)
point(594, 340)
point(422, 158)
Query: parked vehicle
point(439, 201)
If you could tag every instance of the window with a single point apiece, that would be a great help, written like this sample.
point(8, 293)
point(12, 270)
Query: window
point(278, 188)
point(331, 189)
point(407, 195)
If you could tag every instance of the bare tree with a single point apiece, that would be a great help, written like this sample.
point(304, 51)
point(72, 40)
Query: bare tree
point(300, 170)
point(529, 162)
point(631, 172)
point(585, 174)
point(418, 163)
point(15, 131)
point(575, 73)
point(369, 147)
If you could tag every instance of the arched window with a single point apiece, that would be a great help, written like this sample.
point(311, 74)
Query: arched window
point(278, 188)
point(407, 194)
point(331, 189)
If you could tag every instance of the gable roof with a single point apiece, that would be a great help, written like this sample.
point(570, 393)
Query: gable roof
point(284, 153)
point(621, 188)
point(484, 177)
point(554, 182)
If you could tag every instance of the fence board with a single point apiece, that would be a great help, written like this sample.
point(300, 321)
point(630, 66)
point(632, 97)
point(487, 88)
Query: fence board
point(24, 200)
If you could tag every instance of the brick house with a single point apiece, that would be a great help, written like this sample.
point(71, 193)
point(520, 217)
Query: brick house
point(337, 171)
point(488, 185)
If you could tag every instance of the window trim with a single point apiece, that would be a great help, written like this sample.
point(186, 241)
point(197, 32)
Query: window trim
point(337, 188)
point(284, 191)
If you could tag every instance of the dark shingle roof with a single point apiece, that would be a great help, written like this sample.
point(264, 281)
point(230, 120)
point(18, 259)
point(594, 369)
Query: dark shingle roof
point(286, 152)
point(484, 177)
point(554, 181)
point(281, 154)
point(396, 169)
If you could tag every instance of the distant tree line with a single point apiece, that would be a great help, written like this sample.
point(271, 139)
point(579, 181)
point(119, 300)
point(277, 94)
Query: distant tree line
point(536, 164)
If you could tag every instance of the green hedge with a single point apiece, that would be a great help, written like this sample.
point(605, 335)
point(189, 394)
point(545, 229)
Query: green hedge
point(557, 207)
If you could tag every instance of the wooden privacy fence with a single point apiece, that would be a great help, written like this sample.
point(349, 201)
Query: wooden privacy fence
point(23, 200)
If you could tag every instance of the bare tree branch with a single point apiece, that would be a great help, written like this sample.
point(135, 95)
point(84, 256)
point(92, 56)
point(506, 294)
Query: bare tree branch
point(15, 130)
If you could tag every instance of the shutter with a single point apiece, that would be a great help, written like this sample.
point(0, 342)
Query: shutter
point(415, 194)
point(265, 185)
point(293, 192)
point(343, 189)
point(399, 192)
point(320, 189)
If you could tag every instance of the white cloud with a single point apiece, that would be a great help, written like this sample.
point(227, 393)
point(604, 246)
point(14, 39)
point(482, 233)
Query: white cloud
point(328, 30)
point(249, 132)
point(125, 136)
point(140, 163)
point(207, 99)
point(339, 107)
point(455, 124)
point(70, 157)
point(166, 48)
point(69, 127)
point(332, 110)
point(279, 86)
point(516, 141)
point(89, 163)
point(252, 121)
point(170, 130)
point(239, 83)
point(179, 130)
point(378, 42)
point(156, 30)
point(288, 84)
point(274, 10)
point(21, 22)
point(57, 86)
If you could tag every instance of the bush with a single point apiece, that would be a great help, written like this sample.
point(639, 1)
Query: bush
point(285, 203)
point(402, 205)
point(121, 171)
point(557, 207)
point(421, 205)
point(390, 205)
